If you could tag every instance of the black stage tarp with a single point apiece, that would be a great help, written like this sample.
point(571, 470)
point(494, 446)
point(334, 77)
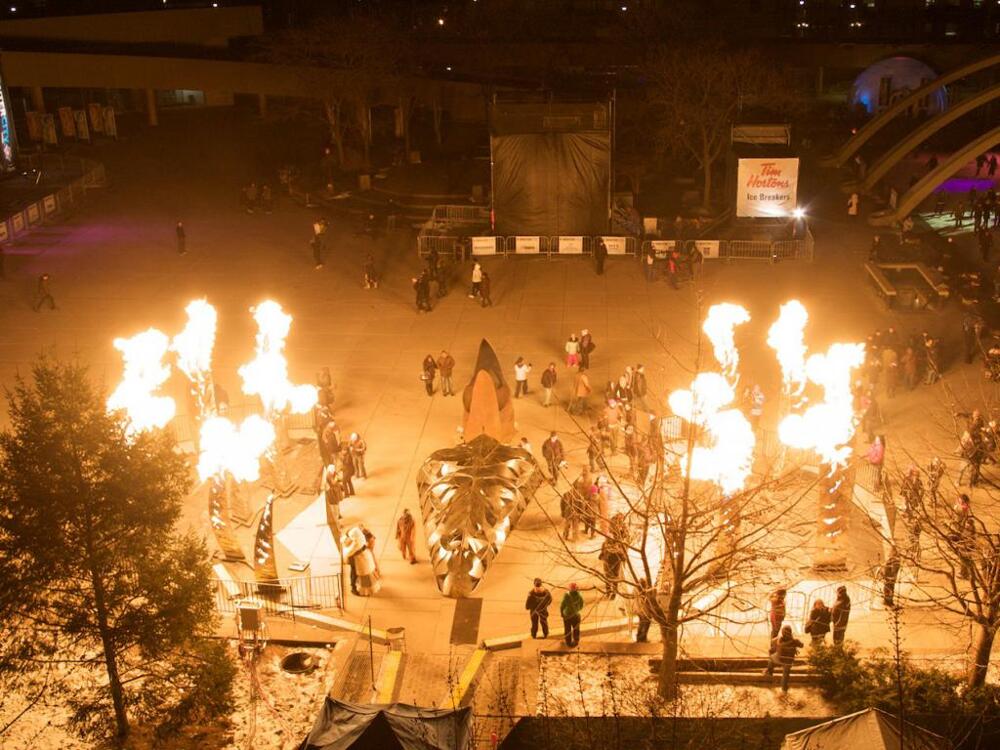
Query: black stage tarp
point(551, 169)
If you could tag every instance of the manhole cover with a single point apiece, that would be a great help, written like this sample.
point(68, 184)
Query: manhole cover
point(298, 662)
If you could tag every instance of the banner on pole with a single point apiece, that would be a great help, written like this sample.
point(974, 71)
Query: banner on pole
point(766, 188)
point(67, 123)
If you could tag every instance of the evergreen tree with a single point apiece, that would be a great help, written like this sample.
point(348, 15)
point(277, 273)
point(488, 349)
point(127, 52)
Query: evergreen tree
point(95, 571)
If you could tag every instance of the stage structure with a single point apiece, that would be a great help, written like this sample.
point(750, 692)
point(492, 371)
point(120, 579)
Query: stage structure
point(551, 167)
point(471, 497)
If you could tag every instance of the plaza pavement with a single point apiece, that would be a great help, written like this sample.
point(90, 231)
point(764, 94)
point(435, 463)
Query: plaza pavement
point(115, 272)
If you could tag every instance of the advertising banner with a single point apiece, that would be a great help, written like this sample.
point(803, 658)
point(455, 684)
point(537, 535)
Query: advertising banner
point(571, 245)
point(34, 213)
point(527, 245)
point(4, 231)
point(615, 245)
point(96, 112)
point(17, 222)
point(82, 131)
point(766, 188)
point(49, 129)
point(662, 247)
point(110, 123)
point(49, 204)
point(67, 123)
point(707, 248)
point(484, 245)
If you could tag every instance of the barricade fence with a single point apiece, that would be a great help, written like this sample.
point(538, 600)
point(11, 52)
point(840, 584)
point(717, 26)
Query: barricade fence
point(281, 596)
point(61, 200)
point(549, 246)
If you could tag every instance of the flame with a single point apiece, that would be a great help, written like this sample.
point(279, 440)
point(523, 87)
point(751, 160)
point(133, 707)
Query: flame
point(238, 450)
point(194, 344)
point(144, 373)
point(827, 427)
point(267, 374)
point(719, 326)
point(787, 337)
point(728, 459)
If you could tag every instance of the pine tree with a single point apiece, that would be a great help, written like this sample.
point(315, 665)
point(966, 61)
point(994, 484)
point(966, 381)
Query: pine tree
point(94, 568)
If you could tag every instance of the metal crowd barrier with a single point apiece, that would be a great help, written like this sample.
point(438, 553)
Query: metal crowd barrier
point(451, 214)
point(282, 596)
point(768, 250)
point(60, 201)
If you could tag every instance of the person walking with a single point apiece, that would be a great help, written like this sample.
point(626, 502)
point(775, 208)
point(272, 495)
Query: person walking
point(181, 239)
point(368, 270)
point(648, 262)
point(776, 615)
point(586, 347)
point(477, 280)
point(553, 453)
point(358, 449)
point(406, 535)
point(333, 493)
point(840, 614)
point(852, 205)
point(445, 366)
point(427, 374)
point(521, 370)
point(639, 387)
point(537, 604)
point(784, 648)
point(549, 377)
point(818, 624)
point(595, 449)
point(44, 294)
point(571, 608)
point(600, 255)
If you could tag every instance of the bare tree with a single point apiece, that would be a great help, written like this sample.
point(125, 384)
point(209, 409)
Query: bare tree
point(700, 549)
point(698, 92)
point(351, 63)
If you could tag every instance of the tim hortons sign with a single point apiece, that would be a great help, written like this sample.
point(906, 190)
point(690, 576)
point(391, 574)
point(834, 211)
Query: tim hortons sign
point(766, 188)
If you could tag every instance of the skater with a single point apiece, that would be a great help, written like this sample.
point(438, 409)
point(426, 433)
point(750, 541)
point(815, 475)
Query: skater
point(181, 239)
point(549, 377)
point(776, 615)
point(570, 608)
point(427, 374)
point(784, 649)
point(484, 291)
point(572, 349)
point(477, 280)
point(316, 244)
point(587, 346)
point(406, 533)
point(445, 366)
point(358, 449)
point(840, 614)
point(537, 604)
point(44, 294)
point(818, 624)
point(581, 390)
point(600, 255)
point(553, 453)
point(368, 268)
point(521, 370)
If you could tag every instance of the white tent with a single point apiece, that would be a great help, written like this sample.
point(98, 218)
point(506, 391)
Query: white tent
point(870, 729)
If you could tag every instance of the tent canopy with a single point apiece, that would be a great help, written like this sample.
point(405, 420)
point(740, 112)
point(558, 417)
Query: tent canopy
point(870, 729)
point(397, 726)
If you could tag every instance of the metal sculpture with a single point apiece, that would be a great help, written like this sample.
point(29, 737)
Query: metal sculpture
point(489, 408)
point(219, 516)
point(471, 497)
point(265, 567)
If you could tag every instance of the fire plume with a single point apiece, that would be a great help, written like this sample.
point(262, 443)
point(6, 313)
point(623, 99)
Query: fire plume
point(787, 337)
point(267, 374)
point(144, 373)
point(238, 450)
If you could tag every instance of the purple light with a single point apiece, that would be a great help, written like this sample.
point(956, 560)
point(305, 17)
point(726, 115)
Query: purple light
point(964, 184)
